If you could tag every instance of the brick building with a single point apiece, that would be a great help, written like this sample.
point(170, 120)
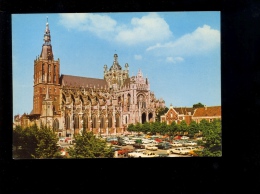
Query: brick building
point(177, 114)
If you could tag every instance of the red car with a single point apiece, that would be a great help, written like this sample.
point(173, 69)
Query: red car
point(123, 151)
point(114, 142)
point(158, 140)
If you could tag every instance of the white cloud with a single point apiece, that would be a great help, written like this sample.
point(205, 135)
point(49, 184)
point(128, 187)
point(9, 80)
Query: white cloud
point(95, 23)
point(203, 39)
point(150, 28)
point(138, 57)
point(174, 59)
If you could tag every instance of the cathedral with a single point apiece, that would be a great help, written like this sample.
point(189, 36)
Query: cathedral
point(68, 103)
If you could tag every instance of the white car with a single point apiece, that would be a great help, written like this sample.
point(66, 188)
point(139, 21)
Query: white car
point(190, 143)
point(129, 142)
point(138, 153)
point(184, 137)
point(179, 150)
point(176, 144)
point(151, 147)
point(149, 155)
point(145, 141)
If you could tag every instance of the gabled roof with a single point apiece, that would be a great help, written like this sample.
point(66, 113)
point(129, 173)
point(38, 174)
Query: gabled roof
point(208, 111)
point(184, 110)
point(70, 80)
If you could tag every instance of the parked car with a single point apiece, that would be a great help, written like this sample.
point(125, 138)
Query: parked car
point(179, 150)
point(190, 143)
point(164, 145)
point(121, 142)
point(139, 146)
point(138, 153)
point(176, 144)
point(129, 142)
point(149, 155)
point(123, 152)
point(184, 137)
point(151, 147)
point(114, 142)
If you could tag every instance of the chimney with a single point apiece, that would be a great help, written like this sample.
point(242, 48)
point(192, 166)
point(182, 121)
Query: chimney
point(205, 107)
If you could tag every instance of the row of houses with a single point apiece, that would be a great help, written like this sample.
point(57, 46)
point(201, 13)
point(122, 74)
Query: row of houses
point(178, 114)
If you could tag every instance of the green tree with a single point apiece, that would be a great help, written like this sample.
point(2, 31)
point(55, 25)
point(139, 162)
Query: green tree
point(131, 127)
point(35, 143)
point(160, 112)
point(146, 127)
point(88, 146)
point(198, 105)
point(154, 127)
point(173, 128)
point(193, 128)
point(204, 126)
point(28, 142)
point(183, 126)
point(138, 127)
point(212, 141)
point(17, 137)
point(163, 128)
point(47, 144)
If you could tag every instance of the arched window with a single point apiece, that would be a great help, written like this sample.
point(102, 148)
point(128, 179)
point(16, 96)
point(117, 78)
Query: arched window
point(117, 121)
point(110, 121)
point(76, 122)
point(85, 121)
point(56, 124)
point(128, 99)
point(102, 121)
point(94, 122)
point(67, 122)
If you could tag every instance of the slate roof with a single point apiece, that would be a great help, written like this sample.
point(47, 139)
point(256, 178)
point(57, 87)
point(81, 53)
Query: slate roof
point(77, 81)
point(208, 111)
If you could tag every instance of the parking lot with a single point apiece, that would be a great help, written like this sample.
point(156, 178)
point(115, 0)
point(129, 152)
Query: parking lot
point(121, 151)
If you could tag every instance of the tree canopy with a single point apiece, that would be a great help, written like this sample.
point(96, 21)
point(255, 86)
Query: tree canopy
point(35, 143)
point(198, 105)
point(88, 145)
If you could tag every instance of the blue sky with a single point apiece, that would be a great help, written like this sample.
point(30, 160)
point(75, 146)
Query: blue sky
point(179, 52)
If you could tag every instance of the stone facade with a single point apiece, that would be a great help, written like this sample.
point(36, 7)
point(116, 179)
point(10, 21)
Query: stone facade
point(65, 103)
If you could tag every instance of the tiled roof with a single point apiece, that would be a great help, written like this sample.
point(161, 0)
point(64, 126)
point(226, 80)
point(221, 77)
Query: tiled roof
point(208, 111)
point(70, 80)
point(184, 110)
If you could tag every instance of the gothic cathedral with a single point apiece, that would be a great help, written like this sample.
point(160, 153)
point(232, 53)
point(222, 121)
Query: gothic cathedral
point(67, 103)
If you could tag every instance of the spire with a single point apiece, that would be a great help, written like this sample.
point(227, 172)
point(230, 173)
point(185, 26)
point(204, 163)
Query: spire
point(46, 47)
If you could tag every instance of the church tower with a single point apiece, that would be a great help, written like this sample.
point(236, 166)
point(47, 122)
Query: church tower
point(116, 76)
point(46, 77)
